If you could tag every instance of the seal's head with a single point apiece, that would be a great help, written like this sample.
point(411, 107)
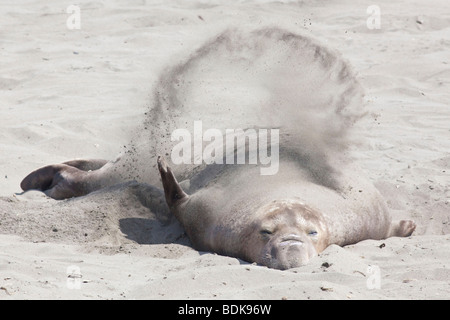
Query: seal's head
point(286, 234)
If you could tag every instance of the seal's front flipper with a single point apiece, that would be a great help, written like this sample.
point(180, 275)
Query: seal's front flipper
point(172, 190)
point(402, 228)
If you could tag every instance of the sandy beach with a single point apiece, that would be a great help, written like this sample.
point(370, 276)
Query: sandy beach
point(84, 92)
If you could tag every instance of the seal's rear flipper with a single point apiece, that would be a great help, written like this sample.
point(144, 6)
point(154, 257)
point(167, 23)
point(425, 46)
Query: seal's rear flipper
point(66, 180)
point(41, 179)
point(87, 165)
point(58, 181)
point(172, 189)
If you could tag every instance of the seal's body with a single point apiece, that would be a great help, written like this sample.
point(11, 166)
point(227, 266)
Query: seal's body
point(280, 221)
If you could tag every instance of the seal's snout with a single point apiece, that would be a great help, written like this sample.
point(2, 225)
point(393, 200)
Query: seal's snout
point(291, 234)
point(291, 240)
point(288, 251)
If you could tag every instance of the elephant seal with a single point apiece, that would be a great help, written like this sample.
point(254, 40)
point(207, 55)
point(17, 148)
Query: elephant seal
point(263, 79)
point(279, 221)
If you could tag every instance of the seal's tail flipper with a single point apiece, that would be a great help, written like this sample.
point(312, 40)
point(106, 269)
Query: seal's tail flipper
point(172, 189)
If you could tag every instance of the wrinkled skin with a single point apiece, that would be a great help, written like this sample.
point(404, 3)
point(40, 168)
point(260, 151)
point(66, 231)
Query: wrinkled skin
point(289, 235)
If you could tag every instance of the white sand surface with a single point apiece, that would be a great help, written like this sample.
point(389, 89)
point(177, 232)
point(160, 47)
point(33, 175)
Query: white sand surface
point(68, 94)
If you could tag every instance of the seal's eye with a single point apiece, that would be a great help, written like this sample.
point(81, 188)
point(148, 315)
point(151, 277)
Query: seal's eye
point(312, 233)
point(266, 232)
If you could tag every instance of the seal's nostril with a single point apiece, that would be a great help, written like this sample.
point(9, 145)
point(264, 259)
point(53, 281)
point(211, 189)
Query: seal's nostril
point(291, 240)
point(291, 243)
point(291, 237)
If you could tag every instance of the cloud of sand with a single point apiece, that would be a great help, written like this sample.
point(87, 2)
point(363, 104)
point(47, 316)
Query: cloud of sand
point(265, 78)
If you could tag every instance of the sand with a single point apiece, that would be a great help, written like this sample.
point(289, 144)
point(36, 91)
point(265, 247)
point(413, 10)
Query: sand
point(69, 94)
